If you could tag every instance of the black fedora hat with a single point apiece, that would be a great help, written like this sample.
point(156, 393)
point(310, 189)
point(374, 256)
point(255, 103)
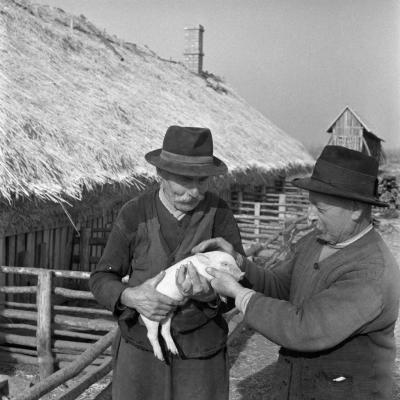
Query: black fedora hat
point(187, 151)
point(345, 173)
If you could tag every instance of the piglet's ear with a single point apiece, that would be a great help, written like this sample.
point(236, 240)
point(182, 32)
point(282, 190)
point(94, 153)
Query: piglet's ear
point(203, 258)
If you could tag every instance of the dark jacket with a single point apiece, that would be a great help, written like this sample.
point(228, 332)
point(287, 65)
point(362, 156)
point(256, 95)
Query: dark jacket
point(137, 247)
point(334, 320)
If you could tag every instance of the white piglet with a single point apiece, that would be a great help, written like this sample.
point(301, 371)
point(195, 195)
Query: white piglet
point(216, 259)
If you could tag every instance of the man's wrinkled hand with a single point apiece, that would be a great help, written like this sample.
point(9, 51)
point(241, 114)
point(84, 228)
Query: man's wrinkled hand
point(193, 285)
point(223, 283)
point(212, 244)
point(220, 244)
point(148, 301)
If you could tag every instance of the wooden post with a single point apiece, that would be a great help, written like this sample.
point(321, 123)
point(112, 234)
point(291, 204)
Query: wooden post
point(43, 334)
point(94, 251)
point(282, 212)
point(282, 206)
point(240, 200)
point(51, 249)
point(44, 250)
point(11, 278)
point(2, 274)
point(84, 250)
point(57, 249)
point(257, 213)
point(29, 260)
point(20, 255)
point(67, 237)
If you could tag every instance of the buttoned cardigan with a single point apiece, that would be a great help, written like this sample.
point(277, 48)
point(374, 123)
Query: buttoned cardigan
point(334, 319)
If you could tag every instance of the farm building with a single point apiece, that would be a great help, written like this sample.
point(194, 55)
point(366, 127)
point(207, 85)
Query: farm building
point(79, 108)
point(349, 130)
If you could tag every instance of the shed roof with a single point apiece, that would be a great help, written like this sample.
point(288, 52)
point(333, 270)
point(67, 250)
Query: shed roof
point(361, 121)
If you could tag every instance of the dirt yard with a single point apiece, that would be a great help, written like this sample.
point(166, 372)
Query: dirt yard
point(252, 357)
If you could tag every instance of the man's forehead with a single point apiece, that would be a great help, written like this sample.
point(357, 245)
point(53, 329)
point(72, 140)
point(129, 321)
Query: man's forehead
point(316, 197)
point(326, 199)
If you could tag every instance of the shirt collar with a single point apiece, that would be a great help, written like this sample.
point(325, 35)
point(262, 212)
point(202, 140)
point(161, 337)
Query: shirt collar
point(352, 239)
point(167, 204)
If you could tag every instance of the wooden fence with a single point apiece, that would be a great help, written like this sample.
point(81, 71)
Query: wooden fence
point(60, 246)
point(43, 331)
point(63, 247)
point(259, 221)
point(72, 370)
point(71, 337)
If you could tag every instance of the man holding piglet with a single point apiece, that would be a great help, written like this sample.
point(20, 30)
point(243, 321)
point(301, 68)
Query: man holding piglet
point(152, 232)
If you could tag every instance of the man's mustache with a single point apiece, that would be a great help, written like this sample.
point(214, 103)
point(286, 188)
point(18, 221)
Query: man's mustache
point(189, 198)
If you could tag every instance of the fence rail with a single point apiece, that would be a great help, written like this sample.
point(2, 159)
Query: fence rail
point(43, 331)
point(73, 369)
point(259, 221)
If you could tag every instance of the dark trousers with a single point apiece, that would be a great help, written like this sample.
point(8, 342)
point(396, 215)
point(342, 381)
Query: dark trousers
point(139, 375)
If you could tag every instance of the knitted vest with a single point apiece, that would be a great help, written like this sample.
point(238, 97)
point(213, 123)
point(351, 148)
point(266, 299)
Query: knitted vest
point(197, 329)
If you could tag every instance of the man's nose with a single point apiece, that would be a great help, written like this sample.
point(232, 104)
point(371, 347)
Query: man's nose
point(197, 188)
point(312, 215)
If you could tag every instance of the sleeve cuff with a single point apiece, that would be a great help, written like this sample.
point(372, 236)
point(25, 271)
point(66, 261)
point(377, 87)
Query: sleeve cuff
point(115, 298)
point(243, 298)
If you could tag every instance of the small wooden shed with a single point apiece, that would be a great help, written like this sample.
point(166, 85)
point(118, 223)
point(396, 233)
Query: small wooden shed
point(350, 131)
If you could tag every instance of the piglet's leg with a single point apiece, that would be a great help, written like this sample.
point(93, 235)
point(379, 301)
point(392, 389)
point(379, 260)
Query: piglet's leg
point(152, 334)
point(166, 334)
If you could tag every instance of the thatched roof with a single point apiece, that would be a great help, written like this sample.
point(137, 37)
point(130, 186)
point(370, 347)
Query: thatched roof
point(80, 108)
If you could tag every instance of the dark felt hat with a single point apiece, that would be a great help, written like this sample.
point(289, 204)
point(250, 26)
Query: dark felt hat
point(187, 151)
point(345, 173)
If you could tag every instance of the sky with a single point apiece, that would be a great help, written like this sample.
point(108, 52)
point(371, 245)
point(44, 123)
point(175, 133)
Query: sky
point(299, 62)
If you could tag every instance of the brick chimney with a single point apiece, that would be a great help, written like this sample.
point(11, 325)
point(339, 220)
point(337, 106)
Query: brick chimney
point(193, 53)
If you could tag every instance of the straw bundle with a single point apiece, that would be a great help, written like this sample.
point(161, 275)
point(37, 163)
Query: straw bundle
point(79, 109)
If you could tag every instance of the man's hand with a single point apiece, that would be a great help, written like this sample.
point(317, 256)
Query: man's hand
point(193, 285)
point(221, 244)
point(218, 243)
point(147, 301)
point(223, 283)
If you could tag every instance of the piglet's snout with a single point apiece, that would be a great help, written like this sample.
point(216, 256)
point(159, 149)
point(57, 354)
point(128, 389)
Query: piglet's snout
point(231, 269)
point(224, 262)
point(235, 271)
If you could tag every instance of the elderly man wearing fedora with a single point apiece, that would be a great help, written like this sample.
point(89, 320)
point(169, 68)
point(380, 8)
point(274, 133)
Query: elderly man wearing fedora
point(333, 304)
point(152, 232)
